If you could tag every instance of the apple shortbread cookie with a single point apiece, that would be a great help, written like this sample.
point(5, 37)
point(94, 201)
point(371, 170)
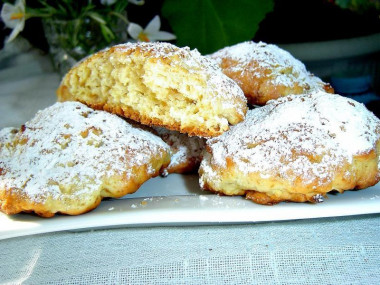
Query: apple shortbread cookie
point(157, 84)
point(68, 157)
point(296, 148)
point(265, 72)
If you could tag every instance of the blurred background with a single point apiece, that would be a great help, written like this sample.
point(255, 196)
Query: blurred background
point(338, 40)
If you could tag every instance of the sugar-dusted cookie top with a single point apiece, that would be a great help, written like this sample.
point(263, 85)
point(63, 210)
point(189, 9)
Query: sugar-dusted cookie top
point(68, 157)
point(265, 71)
point(296, 148)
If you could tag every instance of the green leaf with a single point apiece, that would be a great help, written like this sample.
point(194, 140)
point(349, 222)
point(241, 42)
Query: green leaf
point(209, 25)
point(107, 33)
point(96, 17)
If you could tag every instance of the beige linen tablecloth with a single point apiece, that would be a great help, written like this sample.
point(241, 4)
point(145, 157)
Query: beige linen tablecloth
point(344, 250)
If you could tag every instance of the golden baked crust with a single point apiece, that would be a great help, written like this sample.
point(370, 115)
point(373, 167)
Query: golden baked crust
point(157, 84)
point(265, 72)
point(186, 152)
point(296, 148)
point(69, 157)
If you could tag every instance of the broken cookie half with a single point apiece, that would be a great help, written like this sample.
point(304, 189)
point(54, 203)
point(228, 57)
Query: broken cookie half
point(157, 84)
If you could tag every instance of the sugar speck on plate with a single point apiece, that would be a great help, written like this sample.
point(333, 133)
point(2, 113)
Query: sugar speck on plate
point(203, 198)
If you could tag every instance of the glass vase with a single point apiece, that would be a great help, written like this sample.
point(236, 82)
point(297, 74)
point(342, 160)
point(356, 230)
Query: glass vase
point(71, 40)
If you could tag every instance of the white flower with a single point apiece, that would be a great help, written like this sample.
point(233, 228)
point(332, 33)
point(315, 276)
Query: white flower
point(14, 17)
point(151, 32)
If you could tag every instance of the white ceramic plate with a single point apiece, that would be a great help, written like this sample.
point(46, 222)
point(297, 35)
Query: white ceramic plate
point(177, 200)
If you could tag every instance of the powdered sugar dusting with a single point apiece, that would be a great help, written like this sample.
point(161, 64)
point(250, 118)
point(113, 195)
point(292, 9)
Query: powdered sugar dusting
point(6, 137)
point(69, 143)
point(185, 150)
point(306, 136)
point(281, 66)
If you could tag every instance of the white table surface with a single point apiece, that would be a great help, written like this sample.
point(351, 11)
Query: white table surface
point(336, 250)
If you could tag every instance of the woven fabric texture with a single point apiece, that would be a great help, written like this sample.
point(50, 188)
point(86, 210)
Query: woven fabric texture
point(320, 251)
